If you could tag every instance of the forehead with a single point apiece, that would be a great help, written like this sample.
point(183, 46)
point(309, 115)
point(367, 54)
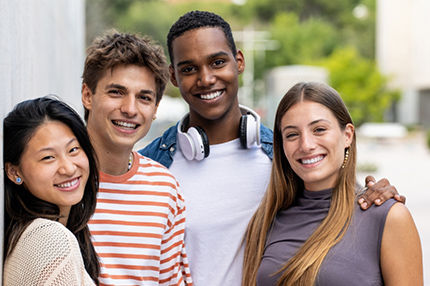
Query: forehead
point(200, 42)
point(306, 112)
point(129, 75)
point(49, 133)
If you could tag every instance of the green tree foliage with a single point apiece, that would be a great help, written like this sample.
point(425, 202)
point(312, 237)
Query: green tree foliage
point(329, 10)
point(300, 42)
point(360, 84)
point(309, 32)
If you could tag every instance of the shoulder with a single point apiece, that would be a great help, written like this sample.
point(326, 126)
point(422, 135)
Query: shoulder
point(266, 133)
point(155, 172)
point(44, 235)
point(399, 214)
point(375, 214)
point(48, 229)
point(266, 140)
point(150, 164)
point(401, 253)
point(163, 148)
point(161, 143)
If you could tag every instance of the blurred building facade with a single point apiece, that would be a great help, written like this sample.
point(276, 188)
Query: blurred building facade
point(280, 79)
point(42, 50)
point(403, 54)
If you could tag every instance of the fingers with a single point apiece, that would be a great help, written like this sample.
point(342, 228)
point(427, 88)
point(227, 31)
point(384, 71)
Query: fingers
point(400, 198)
point(365, 200)
point(370, 180)
point(379, 192)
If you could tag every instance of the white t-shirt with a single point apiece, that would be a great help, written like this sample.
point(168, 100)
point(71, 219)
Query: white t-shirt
point(221, 194)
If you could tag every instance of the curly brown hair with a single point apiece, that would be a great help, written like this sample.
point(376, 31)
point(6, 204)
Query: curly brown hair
point(114, 48)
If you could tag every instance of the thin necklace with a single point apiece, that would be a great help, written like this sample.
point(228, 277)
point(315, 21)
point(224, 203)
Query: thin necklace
point(130, 160)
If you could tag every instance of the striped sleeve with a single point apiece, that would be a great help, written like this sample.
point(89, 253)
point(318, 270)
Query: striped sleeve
point(174, 267)
point(138, 227)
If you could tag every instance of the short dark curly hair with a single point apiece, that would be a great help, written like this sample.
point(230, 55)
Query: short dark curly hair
point(199, 19)
point(115, 48)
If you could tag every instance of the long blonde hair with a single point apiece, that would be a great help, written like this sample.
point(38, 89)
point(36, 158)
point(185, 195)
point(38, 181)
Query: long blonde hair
point(302, 269)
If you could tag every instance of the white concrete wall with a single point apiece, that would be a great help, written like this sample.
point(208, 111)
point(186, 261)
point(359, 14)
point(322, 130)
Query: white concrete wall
point(42, 50)
point(403, 50)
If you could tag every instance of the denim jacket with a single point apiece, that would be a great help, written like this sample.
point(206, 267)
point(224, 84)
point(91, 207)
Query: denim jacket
point(163, 148)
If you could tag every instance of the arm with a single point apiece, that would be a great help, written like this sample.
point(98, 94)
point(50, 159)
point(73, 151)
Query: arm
point(378, 193)
point(174, 268)
point(401, 255)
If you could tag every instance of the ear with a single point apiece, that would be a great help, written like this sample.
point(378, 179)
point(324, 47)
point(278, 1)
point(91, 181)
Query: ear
point(172, 75)
point(12, 172)
point(349, 134)
point(87, 96)
point(155, 111)
point(240, 60)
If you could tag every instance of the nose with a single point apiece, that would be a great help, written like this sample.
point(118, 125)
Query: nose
point(206, 77)
point(128, 106)
point(67, 167)
point(307, 142)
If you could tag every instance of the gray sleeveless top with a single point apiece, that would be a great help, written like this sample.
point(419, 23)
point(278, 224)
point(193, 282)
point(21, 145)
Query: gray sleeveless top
point(353, 261)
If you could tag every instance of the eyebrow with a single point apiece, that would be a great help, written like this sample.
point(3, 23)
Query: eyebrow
point(121, 87)
point(115, 85)
point(187, 62)
point(310, 124)
point(51, 149)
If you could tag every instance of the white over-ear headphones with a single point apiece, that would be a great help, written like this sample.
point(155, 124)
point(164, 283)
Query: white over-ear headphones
point(195, 144)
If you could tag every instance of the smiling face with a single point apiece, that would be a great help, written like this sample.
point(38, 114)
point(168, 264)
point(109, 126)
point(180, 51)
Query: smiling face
point(53, 166)
point(206, 73)
point(314, 144)
point(122, 109)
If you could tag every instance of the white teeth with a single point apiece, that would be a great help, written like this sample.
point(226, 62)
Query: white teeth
point(125, 124)
point(210, 95)
point(68, 184)
point(312, 161)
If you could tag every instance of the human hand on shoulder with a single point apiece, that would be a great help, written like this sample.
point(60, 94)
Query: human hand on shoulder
point(378, 193)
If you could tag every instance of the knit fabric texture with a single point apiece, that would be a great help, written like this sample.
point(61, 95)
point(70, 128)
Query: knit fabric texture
point(47, 253)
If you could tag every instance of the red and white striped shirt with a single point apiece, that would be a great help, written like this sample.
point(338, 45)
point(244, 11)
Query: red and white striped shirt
point(138, 227)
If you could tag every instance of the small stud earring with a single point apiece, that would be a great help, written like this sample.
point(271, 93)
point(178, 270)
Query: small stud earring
point(18, 180)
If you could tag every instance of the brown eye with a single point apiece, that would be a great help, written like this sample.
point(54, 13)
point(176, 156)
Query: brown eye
point(74, 150)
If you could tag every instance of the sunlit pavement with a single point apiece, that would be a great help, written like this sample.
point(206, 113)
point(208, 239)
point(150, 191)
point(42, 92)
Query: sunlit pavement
point(406, 164)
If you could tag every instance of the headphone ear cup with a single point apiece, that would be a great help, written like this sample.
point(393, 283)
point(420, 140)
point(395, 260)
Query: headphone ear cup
point(242, 131)
point(248, 131)
point(205, 140)
point(251, 131)
point(201, 142)
point(187, 145)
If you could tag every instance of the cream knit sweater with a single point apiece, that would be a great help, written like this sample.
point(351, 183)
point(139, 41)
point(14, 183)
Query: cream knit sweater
point(47, 253)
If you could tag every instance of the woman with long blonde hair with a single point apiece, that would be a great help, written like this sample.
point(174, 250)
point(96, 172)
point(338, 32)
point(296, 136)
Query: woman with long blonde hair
point(309, 229)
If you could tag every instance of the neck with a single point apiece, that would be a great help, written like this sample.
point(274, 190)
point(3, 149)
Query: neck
point(114, 163)
point(64, 212)
point(112, 160)
point(221, 130)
